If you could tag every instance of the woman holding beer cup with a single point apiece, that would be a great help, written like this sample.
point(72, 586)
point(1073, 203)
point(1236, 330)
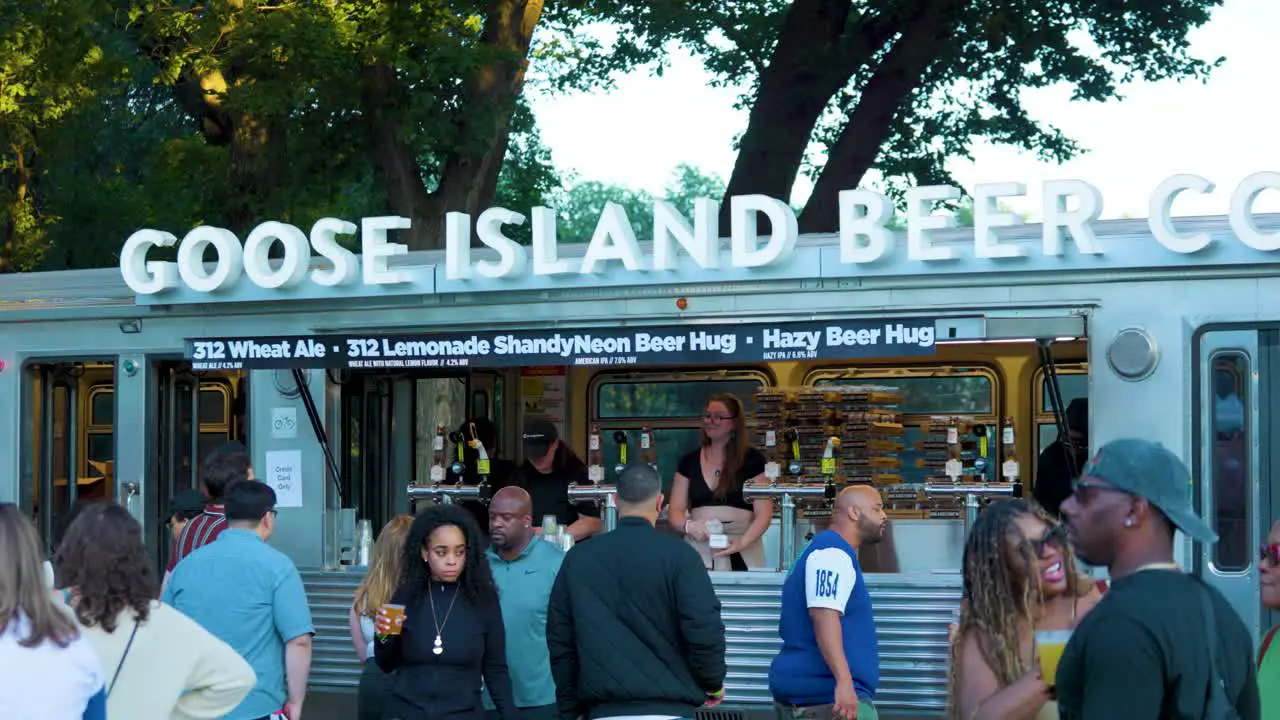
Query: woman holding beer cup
point(442, 632)
point(1022, 597)
point(706, 491)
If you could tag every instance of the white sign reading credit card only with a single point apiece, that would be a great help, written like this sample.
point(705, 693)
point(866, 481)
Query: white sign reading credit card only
point(1070, 209)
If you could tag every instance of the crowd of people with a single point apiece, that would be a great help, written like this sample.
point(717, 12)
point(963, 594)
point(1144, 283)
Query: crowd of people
point(458, 620)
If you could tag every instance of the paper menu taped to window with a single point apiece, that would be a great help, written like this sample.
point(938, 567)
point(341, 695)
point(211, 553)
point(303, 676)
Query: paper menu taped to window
point(283, 472)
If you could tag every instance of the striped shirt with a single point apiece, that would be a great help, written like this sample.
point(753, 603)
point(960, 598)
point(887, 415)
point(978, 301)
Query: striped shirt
point(200, 531)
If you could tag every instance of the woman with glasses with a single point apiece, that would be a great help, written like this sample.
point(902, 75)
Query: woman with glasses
point(1020, 578)
point(1268, 654)
point(708, 486)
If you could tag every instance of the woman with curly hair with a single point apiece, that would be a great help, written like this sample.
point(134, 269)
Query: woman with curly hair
point(451, 635)
point(1019, 578)
point(374, 592)
point(159, 663)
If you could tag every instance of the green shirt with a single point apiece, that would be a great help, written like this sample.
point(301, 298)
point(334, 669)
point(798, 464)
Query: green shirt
point(1269, 679)
point(524, 591)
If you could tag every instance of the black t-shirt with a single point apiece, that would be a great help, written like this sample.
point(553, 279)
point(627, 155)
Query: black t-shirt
point(700, 494)
point(549, 493)
point(1142, 653)
point(1054, 476)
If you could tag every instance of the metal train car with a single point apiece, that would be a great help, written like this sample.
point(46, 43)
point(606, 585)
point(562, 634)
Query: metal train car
point(337, 371)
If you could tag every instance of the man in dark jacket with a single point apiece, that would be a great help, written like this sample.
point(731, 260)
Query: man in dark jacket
point(634, 624)
point(1062, 460)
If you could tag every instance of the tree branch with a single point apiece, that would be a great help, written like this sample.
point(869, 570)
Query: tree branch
point(898, 75)
point(818, 51)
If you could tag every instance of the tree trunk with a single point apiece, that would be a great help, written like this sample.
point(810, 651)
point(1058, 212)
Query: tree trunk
point(818, 50)
point(21, 180)
point(469, 174)
point(258, 169)
point(899, 74)
point(395, 161)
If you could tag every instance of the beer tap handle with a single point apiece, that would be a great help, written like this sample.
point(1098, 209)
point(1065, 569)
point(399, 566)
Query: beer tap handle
point(437, 473)
point(595, 468)
point(620, 437)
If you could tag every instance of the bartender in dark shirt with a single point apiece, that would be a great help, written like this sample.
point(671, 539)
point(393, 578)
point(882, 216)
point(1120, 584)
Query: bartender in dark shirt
point(549, 468)
point(1059, 465)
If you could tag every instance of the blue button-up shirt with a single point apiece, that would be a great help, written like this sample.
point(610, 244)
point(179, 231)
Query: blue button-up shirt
point(524, 591)
point(250, 596)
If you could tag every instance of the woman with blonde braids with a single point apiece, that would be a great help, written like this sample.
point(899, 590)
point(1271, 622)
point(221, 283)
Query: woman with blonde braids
point(385, 569)
point(1019, 578)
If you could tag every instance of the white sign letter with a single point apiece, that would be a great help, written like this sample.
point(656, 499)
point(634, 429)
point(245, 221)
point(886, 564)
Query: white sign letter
point(702, 242)
point(324, 239)
point(294, 265)
point(226, 268)
point(1056, 216)
point(745, 251)
point(1159, 210)
point(613, 225)
point(546, 256)
point(376, 249)
point(147, 277)
point(921, 220)
point(877, 210)
point(457, 246)
point(511, 257)
point(987, 216)
point(1241, 215)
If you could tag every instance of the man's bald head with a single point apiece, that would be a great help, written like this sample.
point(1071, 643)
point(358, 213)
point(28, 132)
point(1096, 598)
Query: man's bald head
point(859, 515)
point(510, 519)
point(513, 500)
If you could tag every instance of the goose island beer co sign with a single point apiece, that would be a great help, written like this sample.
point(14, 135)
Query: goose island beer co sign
point(698, 344)
point(864, 239)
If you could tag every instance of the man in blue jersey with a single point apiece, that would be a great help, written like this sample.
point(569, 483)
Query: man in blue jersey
point(829, 665)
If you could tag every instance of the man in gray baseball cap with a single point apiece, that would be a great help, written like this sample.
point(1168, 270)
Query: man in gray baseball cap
point(1159, 640)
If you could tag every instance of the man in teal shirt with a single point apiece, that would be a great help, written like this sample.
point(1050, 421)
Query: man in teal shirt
point(524, 569)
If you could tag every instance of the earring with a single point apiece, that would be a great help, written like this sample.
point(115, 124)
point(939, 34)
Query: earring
point(1128, 522)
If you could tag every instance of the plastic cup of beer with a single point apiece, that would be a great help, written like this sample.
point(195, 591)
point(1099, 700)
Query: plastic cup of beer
point(1049, 645)
point(395, 615)
point(549, 525)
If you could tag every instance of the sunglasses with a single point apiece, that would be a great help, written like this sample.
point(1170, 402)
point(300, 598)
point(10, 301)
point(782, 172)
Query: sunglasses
point(1054, 536)
point(1270, 551)
point(1084, 490)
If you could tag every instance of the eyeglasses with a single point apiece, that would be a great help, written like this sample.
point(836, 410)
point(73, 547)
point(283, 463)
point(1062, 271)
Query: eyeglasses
point(711, 418)
point(1270, 551)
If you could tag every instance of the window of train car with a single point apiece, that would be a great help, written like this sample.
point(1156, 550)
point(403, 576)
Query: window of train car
point(926, 391)
point(214, 413)
point(100, 430)
point(1073, 382)
point(672, 404)
point(1230, 461)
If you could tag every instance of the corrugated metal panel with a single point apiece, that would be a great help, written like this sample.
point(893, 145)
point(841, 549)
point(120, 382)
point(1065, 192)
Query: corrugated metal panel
point(911, 614)
point(911, 625)
point(333, 660)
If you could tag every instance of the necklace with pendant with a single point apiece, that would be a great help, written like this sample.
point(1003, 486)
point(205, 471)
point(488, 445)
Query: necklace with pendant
point(438, 645)
point(707, 458)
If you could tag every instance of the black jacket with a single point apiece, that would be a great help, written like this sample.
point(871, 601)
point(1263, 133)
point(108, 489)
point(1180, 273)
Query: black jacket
point(634, 626)
point(429, 686)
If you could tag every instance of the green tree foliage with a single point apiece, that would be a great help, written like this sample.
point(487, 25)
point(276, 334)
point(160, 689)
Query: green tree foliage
point(168, 114)
point(836, 88)
point(52, 55)
point(578, 208)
